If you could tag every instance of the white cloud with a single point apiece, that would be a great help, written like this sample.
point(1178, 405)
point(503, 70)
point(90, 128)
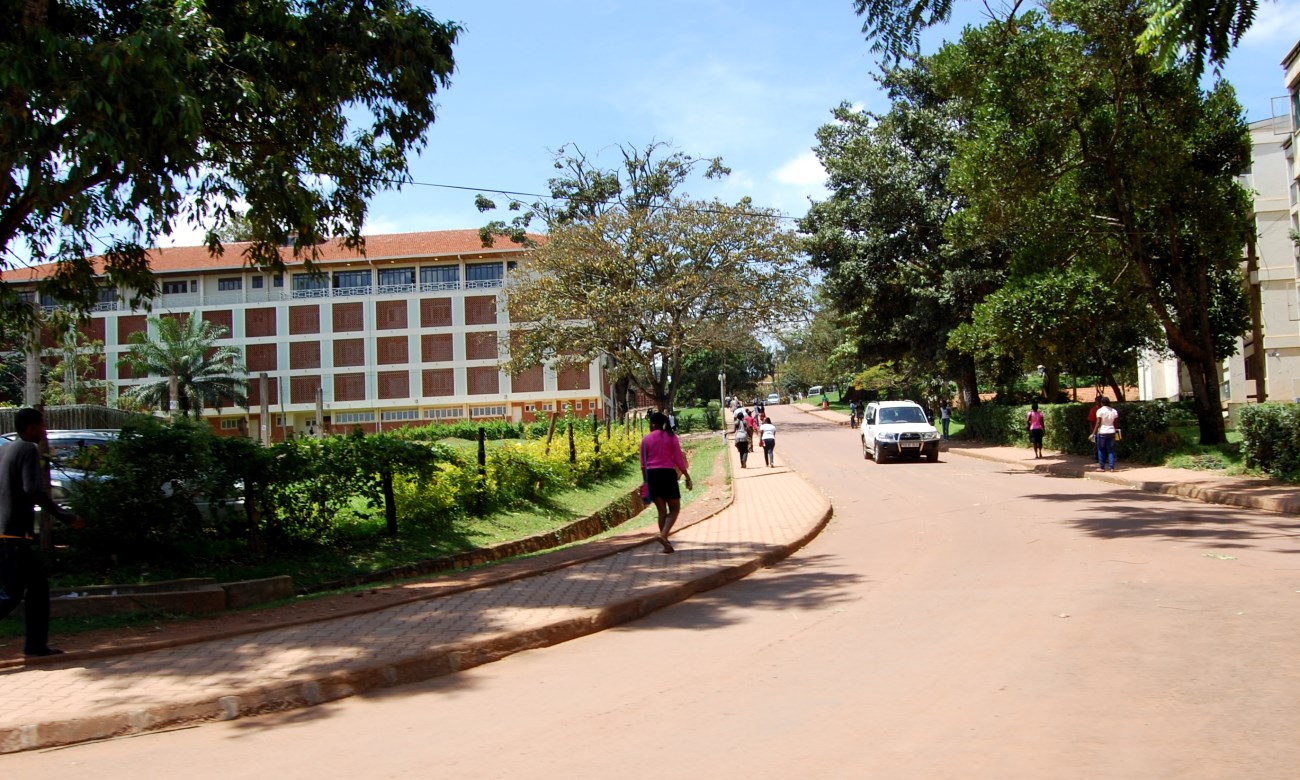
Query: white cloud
point(1275, 23)
point(804, 170)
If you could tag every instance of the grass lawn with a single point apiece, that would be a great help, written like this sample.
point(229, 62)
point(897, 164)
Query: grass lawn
point(1226, 457)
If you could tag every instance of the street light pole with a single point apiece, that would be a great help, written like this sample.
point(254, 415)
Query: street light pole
point(722, 402)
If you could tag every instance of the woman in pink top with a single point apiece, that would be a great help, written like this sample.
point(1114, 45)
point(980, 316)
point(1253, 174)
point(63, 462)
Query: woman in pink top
point(661, 461)
point(1036, 429)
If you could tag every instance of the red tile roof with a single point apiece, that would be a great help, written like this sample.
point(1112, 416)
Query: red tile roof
point(394, 246)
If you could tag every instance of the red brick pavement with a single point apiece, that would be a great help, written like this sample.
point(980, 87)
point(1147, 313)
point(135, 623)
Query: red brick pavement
point(774, 512)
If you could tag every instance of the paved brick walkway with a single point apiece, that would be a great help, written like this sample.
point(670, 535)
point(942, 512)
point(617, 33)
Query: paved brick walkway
point(774, 512)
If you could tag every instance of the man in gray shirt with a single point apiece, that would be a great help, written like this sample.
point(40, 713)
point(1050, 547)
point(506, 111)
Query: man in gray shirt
point(22, 573)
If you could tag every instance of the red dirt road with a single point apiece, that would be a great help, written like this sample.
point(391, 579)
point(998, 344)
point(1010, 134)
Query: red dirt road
point(956, 620)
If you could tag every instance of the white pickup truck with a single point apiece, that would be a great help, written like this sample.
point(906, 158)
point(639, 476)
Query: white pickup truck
point(898, 429)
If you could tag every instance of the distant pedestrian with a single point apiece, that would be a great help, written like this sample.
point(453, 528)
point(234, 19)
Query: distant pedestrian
point(662, 461)
point(1036, 429)
point(767, 435)
point(1104, 431)
point(945, 417)
point(742, 442)
point(22, 573)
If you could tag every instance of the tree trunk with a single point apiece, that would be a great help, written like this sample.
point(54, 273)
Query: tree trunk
point(967, 383)
point(1051, 384)
point(1208, 402)
point(390, 501)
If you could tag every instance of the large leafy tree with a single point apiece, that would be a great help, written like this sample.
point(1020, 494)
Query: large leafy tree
point(1083, 148)
point(122, 119)
point(1053, 319)
point(745, 364)
point(184, 350)
point(1193, 31)
point(635, 270)
point(900, 283)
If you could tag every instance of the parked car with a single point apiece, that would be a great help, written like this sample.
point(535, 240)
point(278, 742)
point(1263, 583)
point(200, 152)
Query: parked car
point(898, 429)
point(773, 399)
point(74, 457)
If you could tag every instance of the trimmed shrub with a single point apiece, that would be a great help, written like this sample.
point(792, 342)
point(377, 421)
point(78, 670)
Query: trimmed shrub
point(1270, 439)
point(1145, 427)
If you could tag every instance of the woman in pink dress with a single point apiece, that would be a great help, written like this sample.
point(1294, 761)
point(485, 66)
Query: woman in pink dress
point(662, 460)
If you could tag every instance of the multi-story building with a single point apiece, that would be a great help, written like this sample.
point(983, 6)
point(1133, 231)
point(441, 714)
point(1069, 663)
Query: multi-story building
point(413, 332)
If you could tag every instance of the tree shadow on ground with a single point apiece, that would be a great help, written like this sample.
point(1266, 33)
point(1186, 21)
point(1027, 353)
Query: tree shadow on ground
point(1131, 514)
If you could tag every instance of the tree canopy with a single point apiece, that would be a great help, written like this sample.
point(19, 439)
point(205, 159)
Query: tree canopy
point(1085, 152)
point(120, 121)
point(1195, 31)
point(633, 269)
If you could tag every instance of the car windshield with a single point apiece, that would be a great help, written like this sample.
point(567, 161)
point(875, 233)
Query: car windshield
point(902, 414)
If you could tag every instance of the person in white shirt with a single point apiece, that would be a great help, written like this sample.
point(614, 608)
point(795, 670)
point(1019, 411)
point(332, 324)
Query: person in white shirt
point(1103, 431)
point(767, 433)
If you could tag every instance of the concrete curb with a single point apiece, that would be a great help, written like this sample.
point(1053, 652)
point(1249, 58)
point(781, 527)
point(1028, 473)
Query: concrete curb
point(1208, 495)
point(426, 665)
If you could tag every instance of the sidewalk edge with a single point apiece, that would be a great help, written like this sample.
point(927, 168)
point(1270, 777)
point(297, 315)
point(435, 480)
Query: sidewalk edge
point(435, 662)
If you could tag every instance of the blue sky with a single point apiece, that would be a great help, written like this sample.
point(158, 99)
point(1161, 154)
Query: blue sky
point(748, 81)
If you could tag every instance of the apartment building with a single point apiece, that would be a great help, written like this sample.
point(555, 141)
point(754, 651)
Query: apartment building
point(413, 332)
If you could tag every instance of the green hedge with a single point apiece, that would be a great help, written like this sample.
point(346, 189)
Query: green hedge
point(1270, 439)
point(1145, 426)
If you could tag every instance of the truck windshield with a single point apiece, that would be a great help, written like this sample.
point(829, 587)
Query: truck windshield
point(902, 414)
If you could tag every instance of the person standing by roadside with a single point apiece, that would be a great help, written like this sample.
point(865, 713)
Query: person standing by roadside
point(767, 435)
point(22, 573)
point(662, 461)
point(945, 417)
point(1036, 429)
point(1103, 431)
point(742, 442)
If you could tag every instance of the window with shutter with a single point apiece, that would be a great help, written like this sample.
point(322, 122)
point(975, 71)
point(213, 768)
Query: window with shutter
point(483, 380)
point(439, 382)
point(349, 387)
point(394, 384)
point(349, 352)
point(390, 315)
point(304, 354)
point(259, 323)
point(392, 350)
point(436, 347)
point(304, 319)
point(481, 345)
point(349, 318)
point(435, 313)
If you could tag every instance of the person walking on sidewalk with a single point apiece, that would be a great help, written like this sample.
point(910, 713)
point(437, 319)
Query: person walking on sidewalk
point(662, 460)
point(22, 573)
point(945, 417)
point(767, 433)
point(1103, 431)
point(742, 442)
point(1036, 429)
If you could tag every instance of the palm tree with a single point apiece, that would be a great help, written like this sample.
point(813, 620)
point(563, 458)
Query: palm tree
point(184, 350)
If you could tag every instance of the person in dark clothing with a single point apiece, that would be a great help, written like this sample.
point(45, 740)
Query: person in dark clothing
point(22, 573)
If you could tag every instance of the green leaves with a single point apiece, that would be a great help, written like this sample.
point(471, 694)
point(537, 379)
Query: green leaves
point(121, 120)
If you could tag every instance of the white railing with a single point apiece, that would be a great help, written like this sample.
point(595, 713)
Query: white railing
point(395, 289)
point(352, 292)
point(318, 292)
point(438, 286)
point(483, 284)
